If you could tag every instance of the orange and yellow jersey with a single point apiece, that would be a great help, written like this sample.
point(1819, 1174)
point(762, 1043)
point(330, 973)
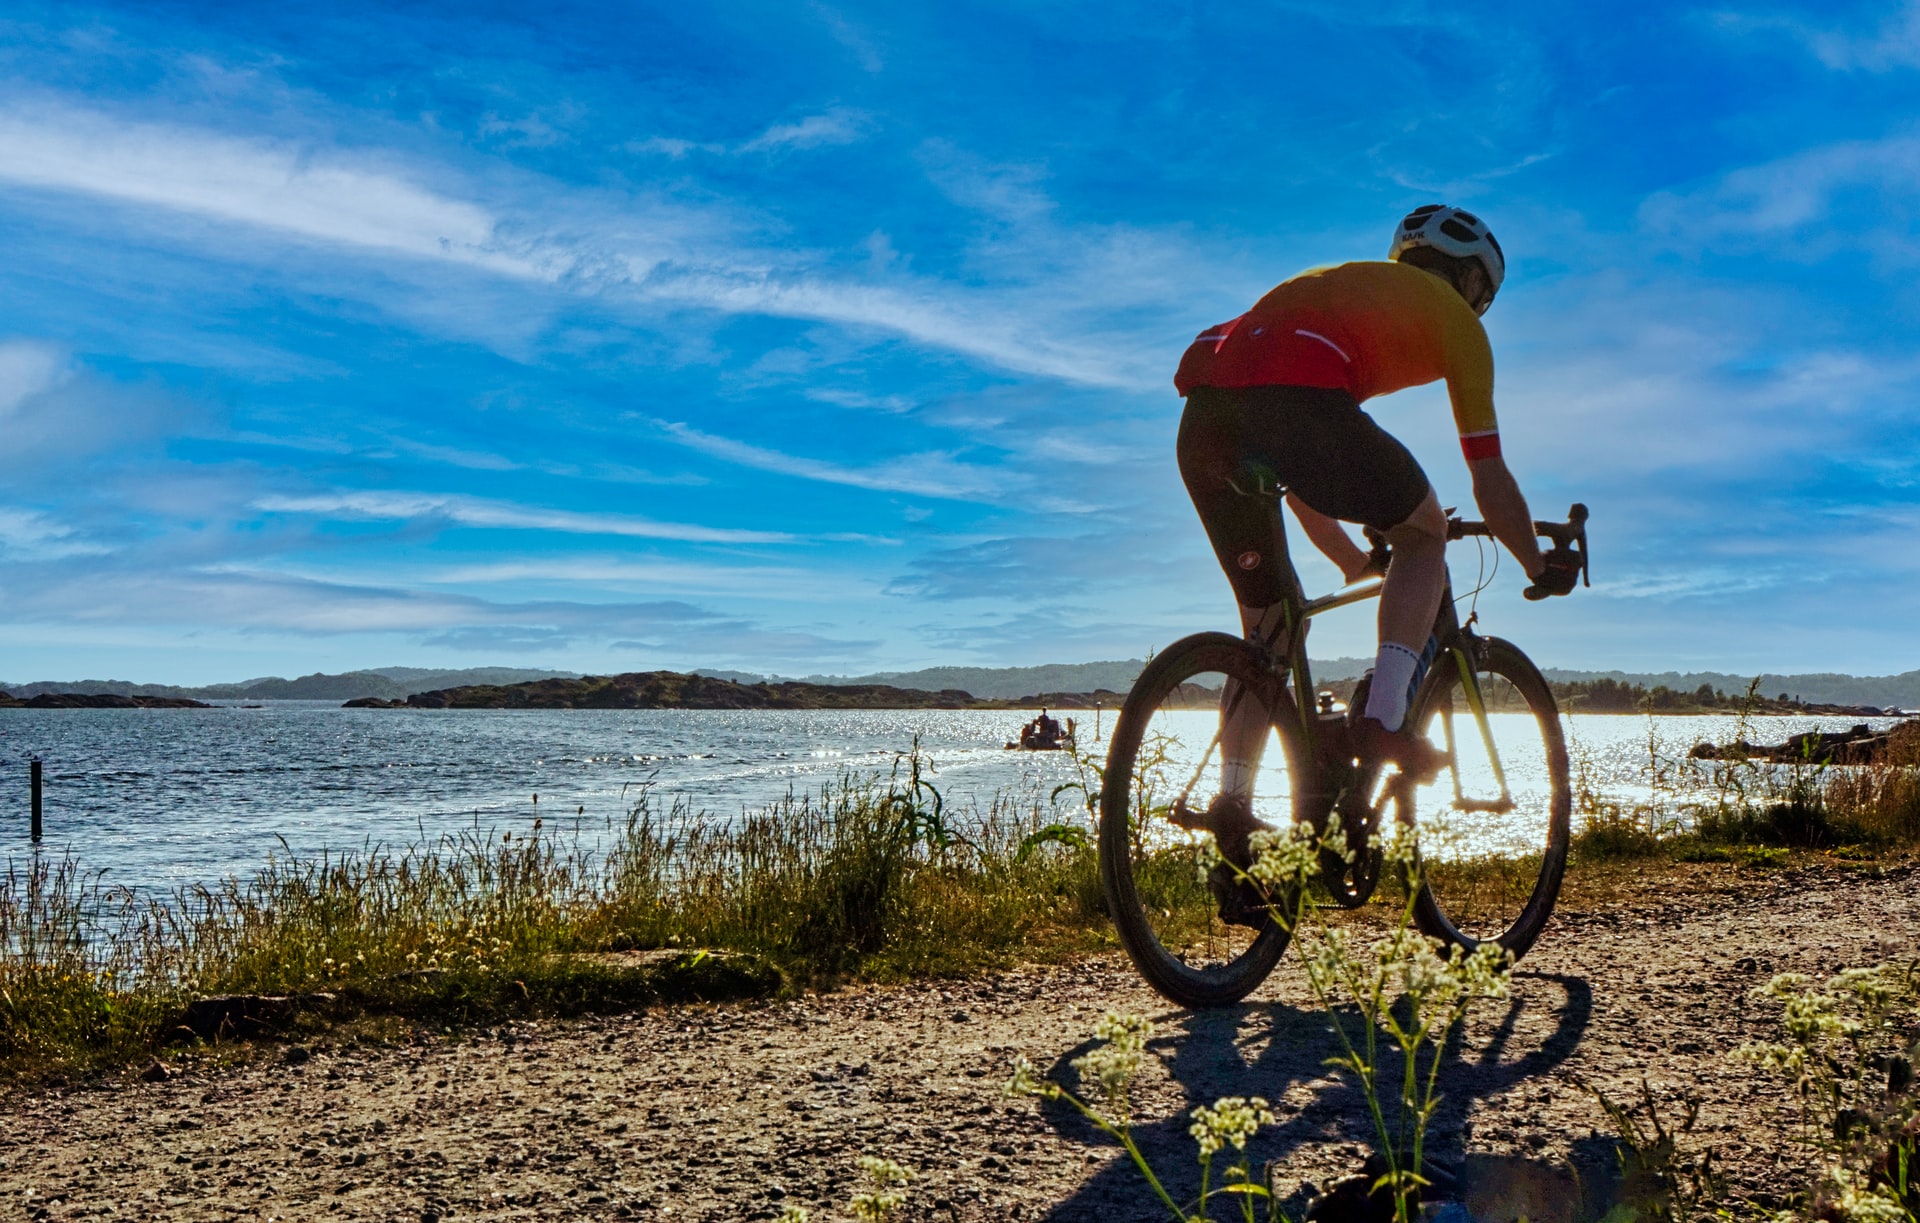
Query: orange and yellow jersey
point(1365, 328)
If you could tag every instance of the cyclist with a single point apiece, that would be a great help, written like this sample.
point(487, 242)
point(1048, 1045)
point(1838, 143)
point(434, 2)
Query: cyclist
point(1274, 397)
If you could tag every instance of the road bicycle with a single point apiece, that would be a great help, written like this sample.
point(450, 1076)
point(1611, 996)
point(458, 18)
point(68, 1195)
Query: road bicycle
point(1492, 826)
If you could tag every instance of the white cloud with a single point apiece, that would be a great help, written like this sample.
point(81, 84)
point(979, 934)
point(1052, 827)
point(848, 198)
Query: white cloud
point(1854, 194)
point(925, 475)
point(1014, 336)
point(26, 369)
point(890, 404)
point(28, 535)
point(855, 39)
point(686, 577)
point(87, 602)
point(836, 126)
point(477, 512)
point(668, 146)
point(1894, 44)
point(275, 186)
point(1046, 303)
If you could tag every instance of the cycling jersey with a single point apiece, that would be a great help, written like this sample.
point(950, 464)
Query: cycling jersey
point(1365, 328)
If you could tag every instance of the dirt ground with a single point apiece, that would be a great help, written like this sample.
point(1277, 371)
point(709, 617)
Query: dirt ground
point(728, 1113)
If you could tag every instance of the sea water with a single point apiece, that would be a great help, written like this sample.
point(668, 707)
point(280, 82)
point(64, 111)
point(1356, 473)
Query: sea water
point(162, 797)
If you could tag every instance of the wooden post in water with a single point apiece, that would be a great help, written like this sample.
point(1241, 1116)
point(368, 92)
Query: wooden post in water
point(33, 773)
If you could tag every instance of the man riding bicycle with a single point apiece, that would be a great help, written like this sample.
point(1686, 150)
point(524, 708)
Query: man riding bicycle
point(1273, 398)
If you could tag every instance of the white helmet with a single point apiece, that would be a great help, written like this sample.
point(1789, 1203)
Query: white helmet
point(1452, 231)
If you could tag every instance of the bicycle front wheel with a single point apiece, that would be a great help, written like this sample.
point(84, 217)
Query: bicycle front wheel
point(1494, 825)
point(1166, 762)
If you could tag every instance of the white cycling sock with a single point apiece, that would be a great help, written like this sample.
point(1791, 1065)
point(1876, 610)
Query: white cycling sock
point(1236, 778)
point(1392, 672)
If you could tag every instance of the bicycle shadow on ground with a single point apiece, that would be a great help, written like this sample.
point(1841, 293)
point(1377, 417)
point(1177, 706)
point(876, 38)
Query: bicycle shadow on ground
point(1280, 1052)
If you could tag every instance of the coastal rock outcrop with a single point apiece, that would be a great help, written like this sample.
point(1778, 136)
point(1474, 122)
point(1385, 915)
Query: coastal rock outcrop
point(672, 690)
point(1857, 745)
point(98, 700)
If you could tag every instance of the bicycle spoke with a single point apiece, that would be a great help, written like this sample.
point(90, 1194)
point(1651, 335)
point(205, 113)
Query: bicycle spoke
point(1493, 838)
point(1193, 934)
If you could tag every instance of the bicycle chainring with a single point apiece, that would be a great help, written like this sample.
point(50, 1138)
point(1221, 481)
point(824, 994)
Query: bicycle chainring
point(1351, 881)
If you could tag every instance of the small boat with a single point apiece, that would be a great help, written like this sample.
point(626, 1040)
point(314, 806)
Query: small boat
point(1044, 734)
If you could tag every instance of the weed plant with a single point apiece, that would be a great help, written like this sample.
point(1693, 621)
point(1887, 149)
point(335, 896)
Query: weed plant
point(1848, 1047)
point(1400, 994)
point(1741, 807)
point(872, 876)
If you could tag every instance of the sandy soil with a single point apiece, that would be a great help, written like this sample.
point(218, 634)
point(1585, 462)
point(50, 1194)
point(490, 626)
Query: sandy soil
point(726, 1113)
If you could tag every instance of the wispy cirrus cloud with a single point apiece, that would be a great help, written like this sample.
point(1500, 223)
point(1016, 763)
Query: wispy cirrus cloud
point(646, 252)
point(29, 535)
point(266, 601)
point(937, 475)
point(1892, 44)
point(624, 572)
point(836, 126)
point(1852, 194)
point(287, 188)
point(478, 512)
point(27, 368)
point(833, 127)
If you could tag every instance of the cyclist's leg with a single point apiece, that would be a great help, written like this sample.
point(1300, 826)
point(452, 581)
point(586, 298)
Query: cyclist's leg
point(1408, 604)
point(1342, 464)
point(1244, 531)
point(1212, 449)
point(1331, 538)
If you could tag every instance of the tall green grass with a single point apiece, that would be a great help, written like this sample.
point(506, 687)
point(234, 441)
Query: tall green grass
point(870, 876)
point(1734, 805)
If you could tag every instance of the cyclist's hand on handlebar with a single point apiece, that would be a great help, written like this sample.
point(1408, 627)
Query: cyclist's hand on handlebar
point(1560, 576)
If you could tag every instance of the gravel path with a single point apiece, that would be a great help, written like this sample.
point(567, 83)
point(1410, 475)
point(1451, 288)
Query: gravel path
point(726, 1113)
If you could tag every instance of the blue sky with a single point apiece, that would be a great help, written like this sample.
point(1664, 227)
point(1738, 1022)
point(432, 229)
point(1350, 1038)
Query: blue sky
point(829, 337)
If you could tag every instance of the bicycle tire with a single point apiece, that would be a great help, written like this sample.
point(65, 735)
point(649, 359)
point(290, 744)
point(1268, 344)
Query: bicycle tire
point(1227, 963)
point(1538, 755)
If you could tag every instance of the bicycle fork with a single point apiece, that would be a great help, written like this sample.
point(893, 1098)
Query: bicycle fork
point(1477, 706)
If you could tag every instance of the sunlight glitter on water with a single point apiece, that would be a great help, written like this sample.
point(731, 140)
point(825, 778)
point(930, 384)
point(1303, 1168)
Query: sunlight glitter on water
point(166, 796)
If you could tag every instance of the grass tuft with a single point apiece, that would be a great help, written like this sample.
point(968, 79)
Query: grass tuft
point(870, 877)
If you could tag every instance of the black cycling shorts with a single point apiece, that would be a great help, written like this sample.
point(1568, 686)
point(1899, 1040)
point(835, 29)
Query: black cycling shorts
point(1314, 442)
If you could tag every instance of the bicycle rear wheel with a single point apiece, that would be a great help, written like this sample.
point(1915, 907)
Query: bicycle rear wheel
point(1165, 758)
point(1494, 825)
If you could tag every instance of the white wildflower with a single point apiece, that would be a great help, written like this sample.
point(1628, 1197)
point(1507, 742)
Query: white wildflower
point(1284, 859)
point(1864, 1203)
point(1328, 960)
point(1232, 1119)
point(1115, 1062)
point(1785, 985)
point(1402, 849)
point(1874, 987)
point(1335, 843)
point(1026, 1083)
point(1206, 857)
point(889, 1181)
point(1788, 1059)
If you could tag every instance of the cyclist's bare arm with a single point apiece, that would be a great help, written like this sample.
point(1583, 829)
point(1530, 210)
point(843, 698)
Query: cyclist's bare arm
point(1504, 507)
point(1331, 538)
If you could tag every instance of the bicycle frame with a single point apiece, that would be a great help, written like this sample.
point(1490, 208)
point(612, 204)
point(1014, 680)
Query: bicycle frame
point(1456, 641)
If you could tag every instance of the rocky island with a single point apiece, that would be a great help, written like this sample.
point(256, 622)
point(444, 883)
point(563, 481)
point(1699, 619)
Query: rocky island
point(674, 690)
point(97, 700)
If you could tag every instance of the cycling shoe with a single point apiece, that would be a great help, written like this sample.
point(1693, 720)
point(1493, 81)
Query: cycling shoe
point(1418, 759)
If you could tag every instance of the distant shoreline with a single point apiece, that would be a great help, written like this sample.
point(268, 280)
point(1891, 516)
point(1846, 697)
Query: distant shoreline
point(677, 690)
point(1624, 691)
